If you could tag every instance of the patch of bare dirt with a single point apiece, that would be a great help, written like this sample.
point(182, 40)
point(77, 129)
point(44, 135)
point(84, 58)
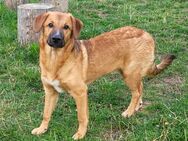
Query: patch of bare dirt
point(173, 80)
point(113, 135)
point(102, 14)
point(100, 0)
point(173, 84)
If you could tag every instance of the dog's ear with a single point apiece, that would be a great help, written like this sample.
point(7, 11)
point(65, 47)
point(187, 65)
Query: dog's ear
point(77, 26)
point(39, 21)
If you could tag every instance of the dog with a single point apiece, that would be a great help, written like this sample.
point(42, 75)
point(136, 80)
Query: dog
point(70, 64)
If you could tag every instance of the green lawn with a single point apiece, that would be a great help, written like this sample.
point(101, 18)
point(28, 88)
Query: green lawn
point(164, 116)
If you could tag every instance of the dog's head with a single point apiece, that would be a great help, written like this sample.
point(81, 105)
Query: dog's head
point(58, 28)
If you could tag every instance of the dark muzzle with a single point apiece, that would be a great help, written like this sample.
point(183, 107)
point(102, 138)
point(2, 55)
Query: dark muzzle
point(56, 39)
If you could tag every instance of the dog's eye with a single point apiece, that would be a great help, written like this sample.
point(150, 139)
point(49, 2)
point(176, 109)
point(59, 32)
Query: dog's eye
point(50, 25)
point(66, 27)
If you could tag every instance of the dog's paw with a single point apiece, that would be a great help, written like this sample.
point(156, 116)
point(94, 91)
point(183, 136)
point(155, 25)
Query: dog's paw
point(127, 113)
point(78, 135)
point(39, 131)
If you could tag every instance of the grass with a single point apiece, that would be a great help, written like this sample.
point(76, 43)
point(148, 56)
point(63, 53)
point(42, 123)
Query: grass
point(164, 116)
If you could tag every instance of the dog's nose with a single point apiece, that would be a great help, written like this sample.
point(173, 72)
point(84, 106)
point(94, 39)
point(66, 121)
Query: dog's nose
point(56, 39)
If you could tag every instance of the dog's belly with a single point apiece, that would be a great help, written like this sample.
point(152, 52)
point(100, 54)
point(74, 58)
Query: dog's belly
point(54, 83)
point(97, 70)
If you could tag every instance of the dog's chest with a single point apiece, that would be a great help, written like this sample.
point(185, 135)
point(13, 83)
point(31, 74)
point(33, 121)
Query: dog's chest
point(54, 83)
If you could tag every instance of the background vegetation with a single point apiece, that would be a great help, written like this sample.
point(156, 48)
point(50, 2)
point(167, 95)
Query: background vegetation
point(165, 113)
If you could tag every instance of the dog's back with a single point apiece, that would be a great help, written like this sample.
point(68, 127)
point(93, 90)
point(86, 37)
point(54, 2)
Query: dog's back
point(124, 48)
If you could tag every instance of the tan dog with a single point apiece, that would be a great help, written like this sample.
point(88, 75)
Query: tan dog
point(70, 64)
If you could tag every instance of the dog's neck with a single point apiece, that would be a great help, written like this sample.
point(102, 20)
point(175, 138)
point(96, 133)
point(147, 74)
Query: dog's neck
point(54, 59)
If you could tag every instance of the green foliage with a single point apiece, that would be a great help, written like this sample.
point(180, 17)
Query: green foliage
point(165, 113)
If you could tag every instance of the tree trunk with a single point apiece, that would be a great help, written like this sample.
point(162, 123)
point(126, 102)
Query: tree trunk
point(12, 4)
point(60, 5)
point(26, 15)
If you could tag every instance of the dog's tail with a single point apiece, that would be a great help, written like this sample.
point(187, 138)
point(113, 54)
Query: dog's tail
point(166, 61)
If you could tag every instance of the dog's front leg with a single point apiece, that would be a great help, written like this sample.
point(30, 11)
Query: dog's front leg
point(51, 97)
point(80, 96)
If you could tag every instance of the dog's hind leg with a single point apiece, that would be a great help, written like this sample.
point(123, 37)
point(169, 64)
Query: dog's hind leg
point(133, 81)
point(140, 102)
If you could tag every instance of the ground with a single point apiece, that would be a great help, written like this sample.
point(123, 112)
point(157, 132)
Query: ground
point(165, 112)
